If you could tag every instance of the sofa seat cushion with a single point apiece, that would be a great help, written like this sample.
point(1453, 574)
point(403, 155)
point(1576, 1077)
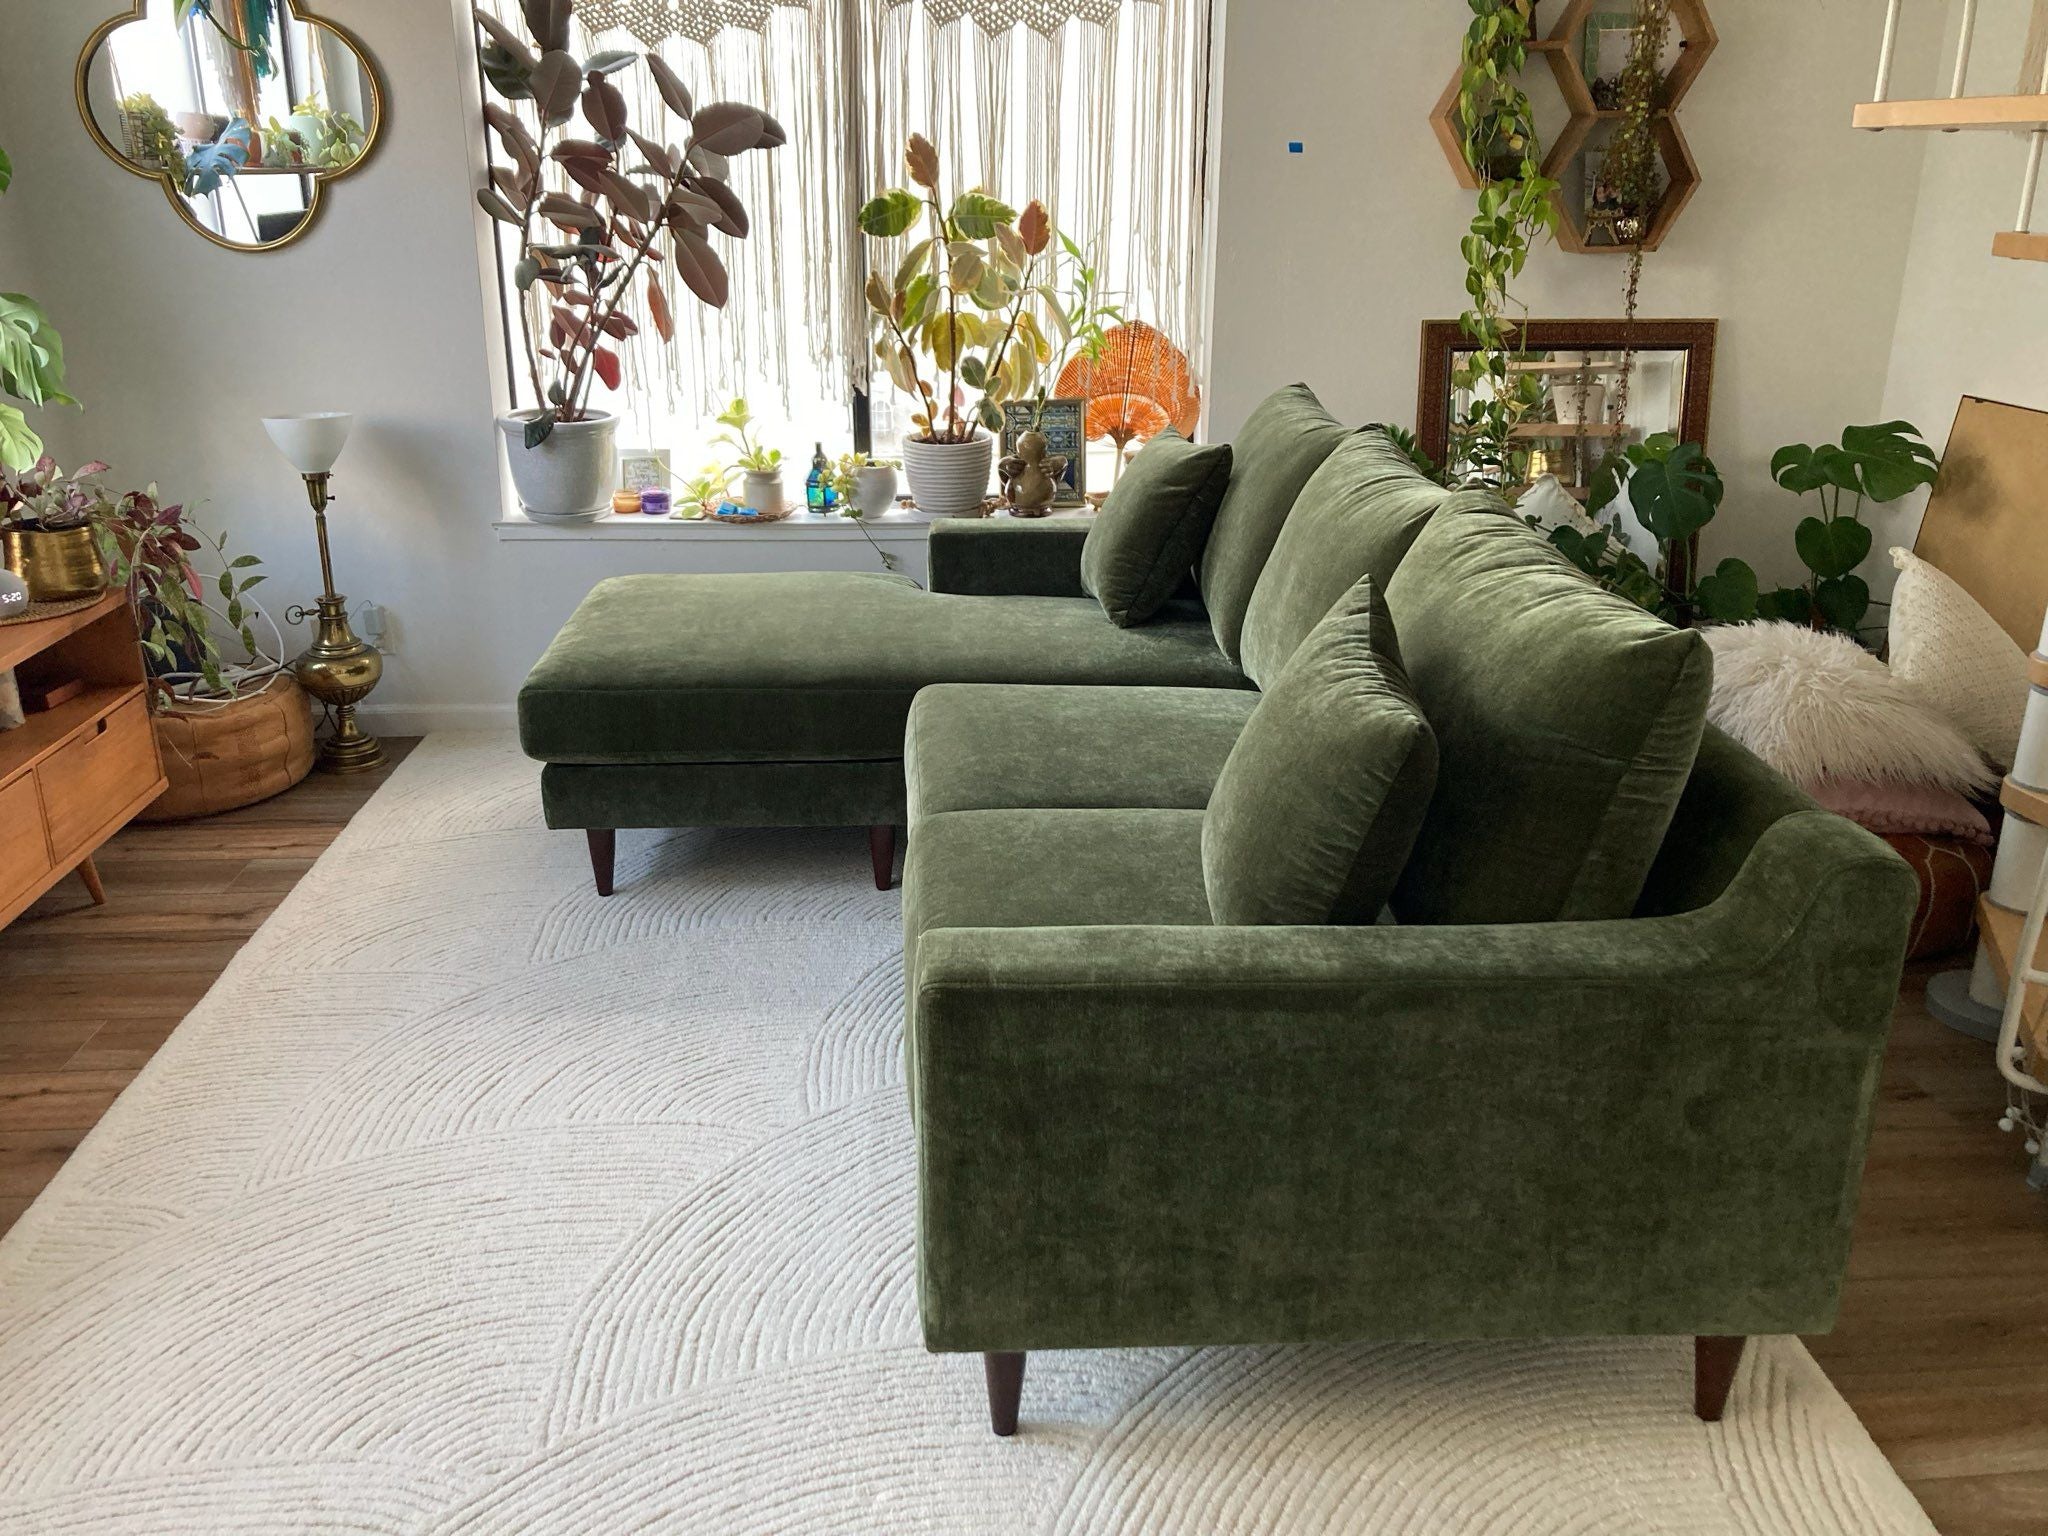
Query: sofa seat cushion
point(979, 746)
point(1358, 516)
point(816, 666)
point(1567, 720)
point(1316, 811)
point(1054, 869)
point(1283, 443)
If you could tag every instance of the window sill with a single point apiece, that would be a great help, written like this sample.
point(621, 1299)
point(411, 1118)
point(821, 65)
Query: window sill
point(893, 528)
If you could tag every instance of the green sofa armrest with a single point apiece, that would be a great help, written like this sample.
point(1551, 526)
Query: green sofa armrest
point(1008, 557)
point(1153, 1136)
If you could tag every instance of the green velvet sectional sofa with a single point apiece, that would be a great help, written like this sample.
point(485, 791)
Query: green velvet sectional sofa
point(1603, 1066)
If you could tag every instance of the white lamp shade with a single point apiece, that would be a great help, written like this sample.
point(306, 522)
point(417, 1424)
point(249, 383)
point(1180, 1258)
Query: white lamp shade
point(313, 442)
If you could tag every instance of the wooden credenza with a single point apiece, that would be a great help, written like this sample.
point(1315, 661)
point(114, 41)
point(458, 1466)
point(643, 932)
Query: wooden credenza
point(74, 775)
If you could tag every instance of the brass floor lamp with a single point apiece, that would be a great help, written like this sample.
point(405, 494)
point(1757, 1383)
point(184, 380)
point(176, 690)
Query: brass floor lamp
point(338, 668)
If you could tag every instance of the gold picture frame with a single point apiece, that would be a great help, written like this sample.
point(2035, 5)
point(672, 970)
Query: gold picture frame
point(293, 10)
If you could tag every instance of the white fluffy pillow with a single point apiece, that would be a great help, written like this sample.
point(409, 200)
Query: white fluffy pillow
point(1947, 646)
point(1815, 705)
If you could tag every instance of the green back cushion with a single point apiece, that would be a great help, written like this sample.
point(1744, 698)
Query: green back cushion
point(1568, 719)
point(1284, 442)
point(1357, 516)
point(1321, 799)
point(1152, 528)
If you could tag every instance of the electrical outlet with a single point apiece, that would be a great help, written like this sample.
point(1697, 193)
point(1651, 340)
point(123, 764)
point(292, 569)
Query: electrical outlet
point(374, 625)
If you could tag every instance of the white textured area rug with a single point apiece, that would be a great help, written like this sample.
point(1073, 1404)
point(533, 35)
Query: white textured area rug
point(469, 1202)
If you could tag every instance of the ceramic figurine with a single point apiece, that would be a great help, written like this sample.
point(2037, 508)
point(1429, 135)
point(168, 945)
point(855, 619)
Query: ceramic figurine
point(1033, 475)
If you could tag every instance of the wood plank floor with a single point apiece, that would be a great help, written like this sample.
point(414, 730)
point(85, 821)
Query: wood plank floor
point(1943, 1336)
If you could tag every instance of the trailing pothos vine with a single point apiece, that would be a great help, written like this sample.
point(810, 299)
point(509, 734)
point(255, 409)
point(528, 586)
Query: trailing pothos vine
point(1515, 210)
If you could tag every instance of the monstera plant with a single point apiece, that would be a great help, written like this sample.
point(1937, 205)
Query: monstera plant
point(1675, 491)
point(31, 365)
point(603, 211)
point(1877, 464)
point(971, 298)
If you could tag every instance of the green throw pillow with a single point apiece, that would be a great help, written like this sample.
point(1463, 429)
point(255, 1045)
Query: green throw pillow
point(1152, 528)
point(1320, 801)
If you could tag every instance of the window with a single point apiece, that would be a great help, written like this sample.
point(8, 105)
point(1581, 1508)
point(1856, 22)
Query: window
point(1099, 108)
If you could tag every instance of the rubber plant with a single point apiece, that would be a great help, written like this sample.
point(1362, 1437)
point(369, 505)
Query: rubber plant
point(31, 365)
point(599, 214)
point(968, 296)
point(1877, 464)
point(1515, 210)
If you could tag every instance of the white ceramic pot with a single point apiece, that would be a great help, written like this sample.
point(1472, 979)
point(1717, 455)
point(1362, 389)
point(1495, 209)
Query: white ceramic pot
point(874, 490)
point(568, 478)
point(763, 493)
point(949, 479)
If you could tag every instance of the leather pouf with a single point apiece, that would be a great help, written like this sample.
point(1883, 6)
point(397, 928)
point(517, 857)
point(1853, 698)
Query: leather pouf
point(1953, 873)
point(236, 754)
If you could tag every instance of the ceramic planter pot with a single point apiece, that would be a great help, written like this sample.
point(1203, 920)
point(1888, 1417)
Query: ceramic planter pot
point(763, 493)
point(874, 490)
point(568, 478)
point(55, 567)
point(1578, 405)
point(949, 479)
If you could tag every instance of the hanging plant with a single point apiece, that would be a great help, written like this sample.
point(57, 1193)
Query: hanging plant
point(1515, 210)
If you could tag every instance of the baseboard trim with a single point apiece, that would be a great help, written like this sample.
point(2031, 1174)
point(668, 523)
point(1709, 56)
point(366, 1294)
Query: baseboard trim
point(419, 719)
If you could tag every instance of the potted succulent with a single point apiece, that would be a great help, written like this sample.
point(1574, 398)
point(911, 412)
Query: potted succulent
point(761, 467)
point(601, 213)
point(867, 485)
point(966, 297)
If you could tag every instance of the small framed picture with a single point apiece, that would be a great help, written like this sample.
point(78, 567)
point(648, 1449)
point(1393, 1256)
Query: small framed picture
point(643, 469)
point(1065, 425)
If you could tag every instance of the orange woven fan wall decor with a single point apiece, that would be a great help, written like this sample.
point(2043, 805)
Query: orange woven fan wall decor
point(1141, 385)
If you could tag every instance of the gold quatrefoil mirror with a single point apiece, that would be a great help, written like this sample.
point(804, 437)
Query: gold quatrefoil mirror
point(243, 110)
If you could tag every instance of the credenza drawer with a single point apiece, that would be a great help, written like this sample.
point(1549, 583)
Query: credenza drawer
point(24, 854)
point(92, 779)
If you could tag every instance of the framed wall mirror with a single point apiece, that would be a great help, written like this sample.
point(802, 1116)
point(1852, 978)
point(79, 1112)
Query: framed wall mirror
point(1580, 362)
point(243, 110)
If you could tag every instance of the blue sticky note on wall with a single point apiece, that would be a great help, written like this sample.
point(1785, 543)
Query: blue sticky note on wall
point(1296, 147)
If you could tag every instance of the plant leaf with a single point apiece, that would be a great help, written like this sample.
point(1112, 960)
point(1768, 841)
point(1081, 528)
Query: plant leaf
point(658, 312)
point(975, 215)
point(1843, 601)
point(539, 429)
point(557, 82)
point(674, 93)
point(728, 127)
point(605, 362)
point(890, 215)
point(1729, 596)
point(604, 108)
point(1832, 549)
point(702, 272)
point(610, 61)
point(548, 20)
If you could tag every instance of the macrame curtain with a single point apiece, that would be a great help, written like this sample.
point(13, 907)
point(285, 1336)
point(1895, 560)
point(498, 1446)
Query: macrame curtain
point(1096, 107)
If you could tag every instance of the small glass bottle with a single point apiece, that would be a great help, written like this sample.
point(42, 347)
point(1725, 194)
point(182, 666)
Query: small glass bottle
point(819, 495)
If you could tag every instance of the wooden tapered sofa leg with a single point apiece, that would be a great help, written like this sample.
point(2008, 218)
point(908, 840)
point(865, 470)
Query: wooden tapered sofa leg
point(1005, 1390)
point(1714, 1362)
point(882, 851)
point(604, 847)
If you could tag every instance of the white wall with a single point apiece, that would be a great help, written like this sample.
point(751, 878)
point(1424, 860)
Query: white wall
point(1969, 322)
point(1796, 242)
point(1329, 262)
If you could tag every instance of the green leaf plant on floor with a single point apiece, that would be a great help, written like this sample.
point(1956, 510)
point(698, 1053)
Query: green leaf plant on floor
point(1877, 464)
point(1675, 492)
point(31, 366)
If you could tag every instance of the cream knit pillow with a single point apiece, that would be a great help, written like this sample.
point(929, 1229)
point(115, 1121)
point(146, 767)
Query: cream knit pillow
point(1948, 647)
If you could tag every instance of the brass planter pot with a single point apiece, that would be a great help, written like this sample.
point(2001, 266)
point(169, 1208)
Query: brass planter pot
point(58, 567)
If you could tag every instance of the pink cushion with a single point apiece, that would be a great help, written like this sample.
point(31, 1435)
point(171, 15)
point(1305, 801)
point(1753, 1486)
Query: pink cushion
point(1887, 809)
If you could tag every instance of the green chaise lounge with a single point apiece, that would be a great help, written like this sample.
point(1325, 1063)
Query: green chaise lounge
point(780, 700)
point(1609, 1073)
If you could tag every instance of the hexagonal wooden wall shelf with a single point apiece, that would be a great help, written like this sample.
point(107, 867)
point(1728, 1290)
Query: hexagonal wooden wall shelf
point(1565, 48)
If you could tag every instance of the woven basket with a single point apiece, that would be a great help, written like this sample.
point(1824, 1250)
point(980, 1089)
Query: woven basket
point(749, 522)
point(234, 755)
